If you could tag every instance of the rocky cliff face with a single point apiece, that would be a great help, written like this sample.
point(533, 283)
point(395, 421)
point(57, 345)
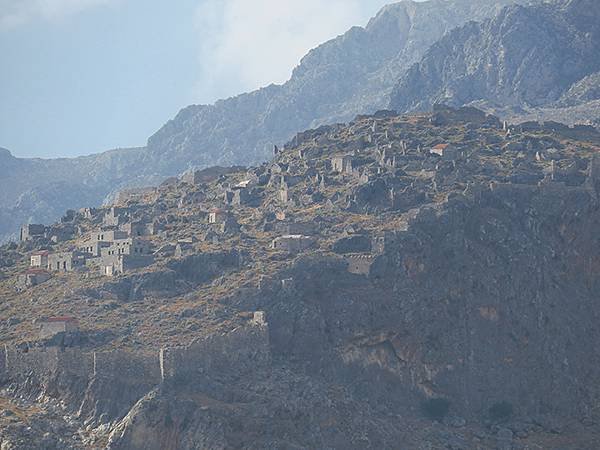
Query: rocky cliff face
point(524, 57)
point(349, 75)
point(446, 301)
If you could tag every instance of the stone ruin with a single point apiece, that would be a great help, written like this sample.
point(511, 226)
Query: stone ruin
point(90, 380)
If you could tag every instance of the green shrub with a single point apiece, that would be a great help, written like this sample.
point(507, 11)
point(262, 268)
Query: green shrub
point(436, 408)
point(500, 411)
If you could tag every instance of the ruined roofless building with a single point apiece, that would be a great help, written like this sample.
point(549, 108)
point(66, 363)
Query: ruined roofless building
point(54, 325)
point(39, 259)
point(293, 243)
point(66, 261)
point(30, 278)
point(218, 216)
point(445, 151)
point(342, 164)
point(31, 231)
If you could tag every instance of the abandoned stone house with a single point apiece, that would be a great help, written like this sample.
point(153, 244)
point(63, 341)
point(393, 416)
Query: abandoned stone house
point(342, 164)
point(66, 261)
point(88, 213)
point(137, 195)
point(39, 259)
point(360, 264)
point(140, 228)
point(197, 177)
point(445, 151)
point(293, 243)
point(54, 325)
point(30, 278)
point(296, 228)
point(94, 242)
point(115, 217)
point(127, 246)
point(115, 264)
point(218, 216)
point(32, 231)
point(382, 241)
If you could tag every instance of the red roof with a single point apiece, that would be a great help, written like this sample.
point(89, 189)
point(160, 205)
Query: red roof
point(441, 146)
point(60, 319)
point(35, 271)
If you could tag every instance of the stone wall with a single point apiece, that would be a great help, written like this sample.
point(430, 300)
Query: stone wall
point(127, 366)
point(44, 364)
point(240, 351)
point(3, 373)
point(360, 264)
point(105, 385)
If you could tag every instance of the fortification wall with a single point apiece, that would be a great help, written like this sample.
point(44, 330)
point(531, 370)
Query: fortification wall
point(72, 362)
point(360, 264)
point(3, 373)
point(45, 363)
point(36, 363)
point(241, 351)
point(127, 367)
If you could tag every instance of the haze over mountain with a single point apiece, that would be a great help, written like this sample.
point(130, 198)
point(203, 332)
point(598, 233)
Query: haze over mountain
point(352, 74)
point(524, 58)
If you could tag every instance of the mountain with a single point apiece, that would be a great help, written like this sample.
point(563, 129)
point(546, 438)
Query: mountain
point(423, 301)
point(524, 60)
point(351, 74)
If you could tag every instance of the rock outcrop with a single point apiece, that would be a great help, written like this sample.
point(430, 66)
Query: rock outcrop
point(526, 56)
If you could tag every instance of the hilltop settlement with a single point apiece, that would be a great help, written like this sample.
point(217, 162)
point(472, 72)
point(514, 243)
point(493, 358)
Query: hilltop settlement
point(375, 283)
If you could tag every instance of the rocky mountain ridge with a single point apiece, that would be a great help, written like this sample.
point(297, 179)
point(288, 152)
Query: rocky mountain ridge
point(444, 296)
point(525, 59)
point(349, 75)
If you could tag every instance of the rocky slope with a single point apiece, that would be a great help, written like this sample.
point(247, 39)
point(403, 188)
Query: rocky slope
point(351, 74)
point(524, 58)
point(446, 302)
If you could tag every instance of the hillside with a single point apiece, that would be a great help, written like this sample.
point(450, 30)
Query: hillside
point(349, 75)
point(426, 279)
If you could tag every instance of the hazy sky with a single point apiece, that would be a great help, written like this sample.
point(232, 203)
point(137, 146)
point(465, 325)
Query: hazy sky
point(82, 76)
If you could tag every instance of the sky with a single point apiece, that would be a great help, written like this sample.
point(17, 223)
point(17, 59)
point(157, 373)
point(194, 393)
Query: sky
point(84, 76)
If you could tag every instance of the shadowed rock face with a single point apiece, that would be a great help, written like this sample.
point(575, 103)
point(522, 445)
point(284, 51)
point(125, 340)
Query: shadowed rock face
point(486, 299)
point(349, 75)
point(523, 57)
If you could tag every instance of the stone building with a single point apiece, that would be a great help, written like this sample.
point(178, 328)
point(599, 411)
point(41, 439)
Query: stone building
point(293, 243)
point(140, 228)
point(88, 213)
point(145, 195)
point(116, 216)
point(218, 216)
point(54, 325)
point(197, 177)
point(39, 259)
point(32, 231)
point(30, 278)
point(342, 164)
point(66, 261)
point(128, 246)
point(382, 241)
point(94, 242)
point(118, 264)
point(445, 151)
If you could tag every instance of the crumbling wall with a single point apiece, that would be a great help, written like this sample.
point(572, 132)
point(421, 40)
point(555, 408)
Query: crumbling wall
point(119, 380)
point(2, 363)
point(240, 351)
point(127, 366)
point(360, 264)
